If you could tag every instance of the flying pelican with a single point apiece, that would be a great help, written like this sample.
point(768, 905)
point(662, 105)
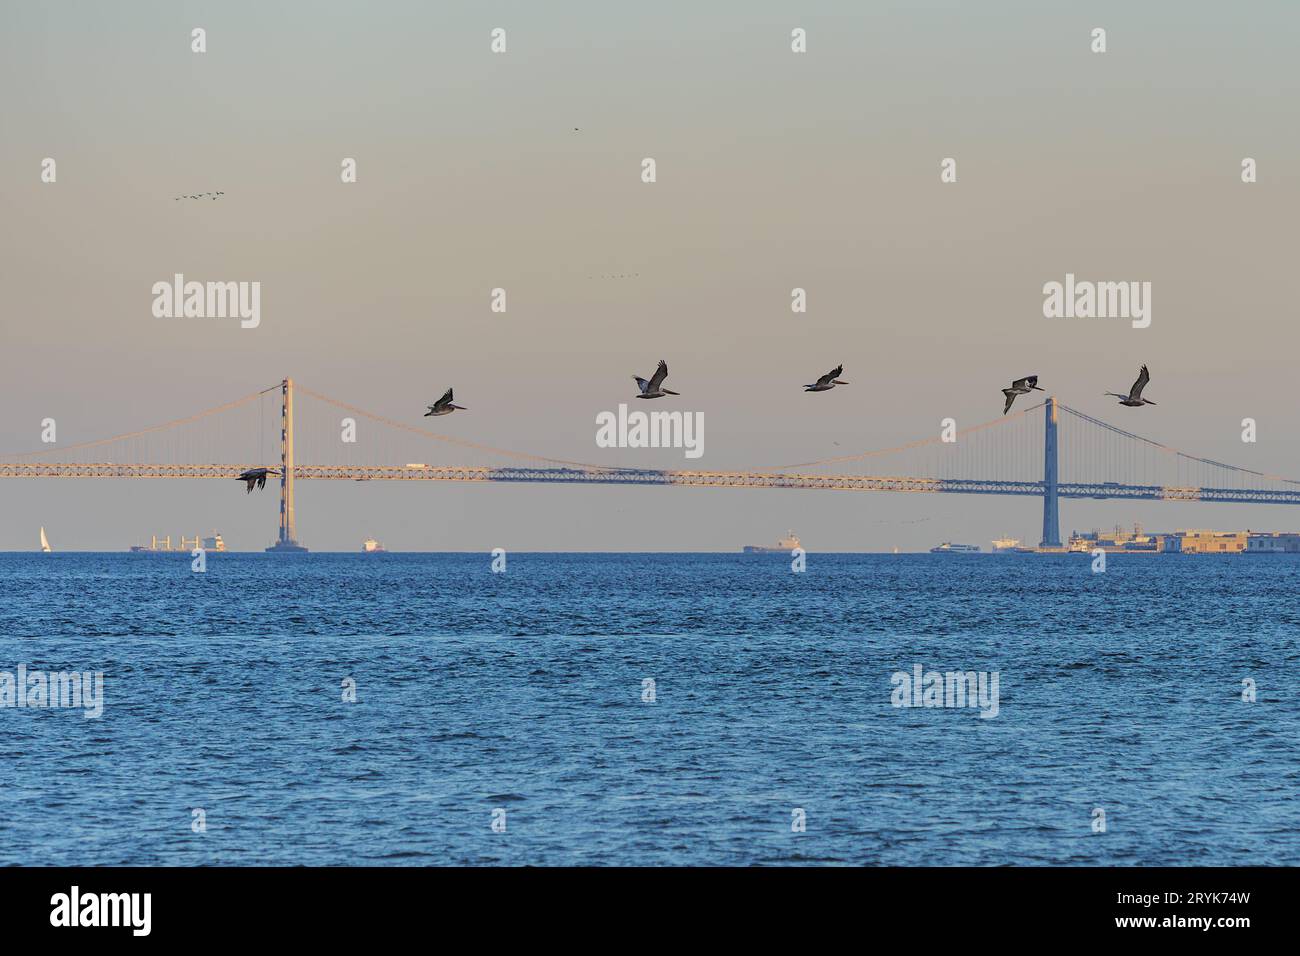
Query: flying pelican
point(1021, 386)
point(256, 476)
point(827, 381)
point(654, 388)
point(443, 406)
point(1134, 398)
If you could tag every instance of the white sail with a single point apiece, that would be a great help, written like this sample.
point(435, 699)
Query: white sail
point(45, 542)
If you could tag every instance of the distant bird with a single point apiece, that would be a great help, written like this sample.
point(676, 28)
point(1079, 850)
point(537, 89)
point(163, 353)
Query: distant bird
point(654, 388)
point(443, 406)
point(1134, 397)
point(827, 381)
point(1021, 386)
point(256, 476)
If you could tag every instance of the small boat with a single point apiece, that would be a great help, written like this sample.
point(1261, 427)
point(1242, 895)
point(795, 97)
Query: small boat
point(949, 548)
point(45, 542)
point(371, 546)
point(783, 546)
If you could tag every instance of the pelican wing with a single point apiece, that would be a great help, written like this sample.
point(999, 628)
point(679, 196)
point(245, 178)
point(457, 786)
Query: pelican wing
point(836, 372)
point(658, 377)
point(446, 399)
point(641, 383)
point(1143, 377)
point(1011, 397)
point(1029, 381)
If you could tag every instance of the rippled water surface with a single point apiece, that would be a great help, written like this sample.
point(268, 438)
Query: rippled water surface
point(523, 692)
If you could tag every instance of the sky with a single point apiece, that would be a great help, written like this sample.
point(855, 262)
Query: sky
point(774, 170)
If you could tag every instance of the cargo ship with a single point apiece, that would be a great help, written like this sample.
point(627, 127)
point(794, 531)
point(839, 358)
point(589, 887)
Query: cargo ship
point(157, 545)
point(783, 546)
point(371, 546)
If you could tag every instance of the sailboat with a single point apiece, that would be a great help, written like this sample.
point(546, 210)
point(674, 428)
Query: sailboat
point(45, 542)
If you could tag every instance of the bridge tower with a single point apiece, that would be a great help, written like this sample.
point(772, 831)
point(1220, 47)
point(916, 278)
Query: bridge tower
point(1051, 514)
point(288, 541)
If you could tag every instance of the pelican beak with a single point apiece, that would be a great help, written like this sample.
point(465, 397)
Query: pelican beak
point(668, 391)
point(838, 382)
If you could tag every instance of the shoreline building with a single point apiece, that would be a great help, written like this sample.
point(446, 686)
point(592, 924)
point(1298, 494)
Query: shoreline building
point(1272, 542)
point(1136, 540)
point(1201, 541)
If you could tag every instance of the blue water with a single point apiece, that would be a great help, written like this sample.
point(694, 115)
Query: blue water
point(522, 692)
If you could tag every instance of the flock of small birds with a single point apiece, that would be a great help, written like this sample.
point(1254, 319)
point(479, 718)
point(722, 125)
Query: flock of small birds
point(214, 196)
point(618, 275)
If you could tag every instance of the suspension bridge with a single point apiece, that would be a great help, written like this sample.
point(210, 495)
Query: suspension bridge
point(1048, 450)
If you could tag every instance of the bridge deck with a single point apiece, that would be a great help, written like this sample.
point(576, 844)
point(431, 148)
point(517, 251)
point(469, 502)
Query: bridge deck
point(631, 476)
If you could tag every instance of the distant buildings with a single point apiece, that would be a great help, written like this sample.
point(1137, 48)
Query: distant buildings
point(1206, 542)
point(1187, 541)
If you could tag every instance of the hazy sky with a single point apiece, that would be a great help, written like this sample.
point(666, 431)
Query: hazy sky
point(775, 170)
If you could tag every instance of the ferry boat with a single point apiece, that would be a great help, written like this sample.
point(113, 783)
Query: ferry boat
point(949, 548)
point(783, 546)
point(371, 546)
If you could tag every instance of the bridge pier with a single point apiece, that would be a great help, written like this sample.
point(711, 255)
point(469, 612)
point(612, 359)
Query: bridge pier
point(287, 542)
point(1051, 514)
